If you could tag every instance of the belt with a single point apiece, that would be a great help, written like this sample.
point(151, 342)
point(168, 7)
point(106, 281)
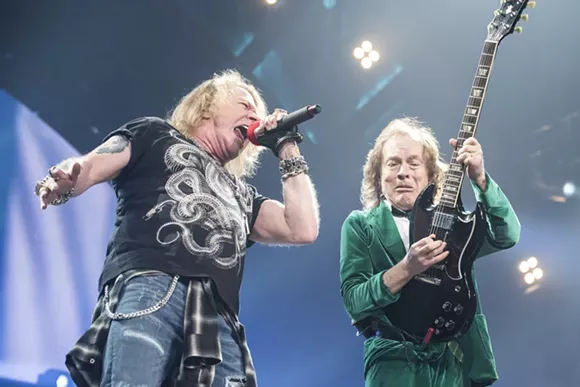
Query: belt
point(389, 334)
point(376, 328)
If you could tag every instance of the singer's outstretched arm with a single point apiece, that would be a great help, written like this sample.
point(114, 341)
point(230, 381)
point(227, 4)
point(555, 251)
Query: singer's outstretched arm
point(295, 221)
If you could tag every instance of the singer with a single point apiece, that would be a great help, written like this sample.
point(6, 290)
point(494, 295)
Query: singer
point(169, 290)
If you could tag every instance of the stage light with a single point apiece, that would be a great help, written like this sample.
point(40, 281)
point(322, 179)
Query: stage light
point(329, 4)
point(532, 273)
point(529, 278)
point(358, 53)
point(366, 54)
point(53, 377)
point(569, 189)
point(558, 199)
point(367, 46)
point(271, 2)
point(366, 62)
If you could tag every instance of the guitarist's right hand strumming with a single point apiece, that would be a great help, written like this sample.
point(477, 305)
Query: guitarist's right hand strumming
point(422, 255)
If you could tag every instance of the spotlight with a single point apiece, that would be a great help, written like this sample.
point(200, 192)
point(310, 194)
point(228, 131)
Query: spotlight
point(367, 46)
point(569, 189)
point(532, 273)
point(366, 54)
point(271, 2)
point(366, 63)
point(329, 4)
point(558, 199)
point(53, 377)
point(374, 56)
point(529, 278)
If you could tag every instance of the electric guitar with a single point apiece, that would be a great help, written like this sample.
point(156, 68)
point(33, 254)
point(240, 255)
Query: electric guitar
point(439, 304)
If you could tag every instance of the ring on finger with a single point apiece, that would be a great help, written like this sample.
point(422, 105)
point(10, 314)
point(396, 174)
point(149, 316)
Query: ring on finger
point(53, 175)
point(40, 186)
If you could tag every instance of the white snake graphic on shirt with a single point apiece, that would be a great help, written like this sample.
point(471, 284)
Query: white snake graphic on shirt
point(209, 203)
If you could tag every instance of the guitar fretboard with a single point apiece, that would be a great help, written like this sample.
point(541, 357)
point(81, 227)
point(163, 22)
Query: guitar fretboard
point(455, 174)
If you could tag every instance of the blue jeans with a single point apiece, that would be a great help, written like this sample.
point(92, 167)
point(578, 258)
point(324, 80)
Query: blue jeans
point(143, 351)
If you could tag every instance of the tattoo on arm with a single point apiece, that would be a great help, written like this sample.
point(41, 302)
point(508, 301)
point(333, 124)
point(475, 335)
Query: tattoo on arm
point(115, 144)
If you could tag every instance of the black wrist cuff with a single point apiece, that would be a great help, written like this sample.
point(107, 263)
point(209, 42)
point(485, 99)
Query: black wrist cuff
point(274, 139)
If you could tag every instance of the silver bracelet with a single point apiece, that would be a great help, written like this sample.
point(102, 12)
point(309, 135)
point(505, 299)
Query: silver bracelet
point(61, 199)
point(293, 166)
point(40, 184)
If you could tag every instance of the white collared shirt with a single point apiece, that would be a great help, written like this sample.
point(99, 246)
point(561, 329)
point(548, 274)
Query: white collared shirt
point(403, 225)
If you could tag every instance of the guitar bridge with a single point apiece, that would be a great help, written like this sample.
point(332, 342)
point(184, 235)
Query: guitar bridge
point(427, 279)
point(444, 221)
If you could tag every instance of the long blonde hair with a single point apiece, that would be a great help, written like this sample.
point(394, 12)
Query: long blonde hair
point(371, 192)
point(204, 100)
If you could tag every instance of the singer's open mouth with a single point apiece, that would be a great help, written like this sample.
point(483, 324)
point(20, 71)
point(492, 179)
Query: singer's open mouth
point(242, 131)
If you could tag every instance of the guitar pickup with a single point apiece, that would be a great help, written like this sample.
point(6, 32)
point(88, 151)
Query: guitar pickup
point(429, 280)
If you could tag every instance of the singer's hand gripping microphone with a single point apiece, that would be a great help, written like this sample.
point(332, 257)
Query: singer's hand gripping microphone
point(287, 129)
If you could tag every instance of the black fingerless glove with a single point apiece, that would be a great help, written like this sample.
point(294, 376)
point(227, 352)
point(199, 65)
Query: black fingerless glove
point(274, 139)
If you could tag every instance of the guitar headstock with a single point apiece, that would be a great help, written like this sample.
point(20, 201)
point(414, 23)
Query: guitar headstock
point(506, 18)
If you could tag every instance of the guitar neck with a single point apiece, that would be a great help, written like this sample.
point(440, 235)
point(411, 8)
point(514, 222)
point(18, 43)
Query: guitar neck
point(455, 174)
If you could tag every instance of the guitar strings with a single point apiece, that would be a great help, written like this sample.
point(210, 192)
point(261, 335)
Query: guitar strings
point(438, 218)
point(440, 213)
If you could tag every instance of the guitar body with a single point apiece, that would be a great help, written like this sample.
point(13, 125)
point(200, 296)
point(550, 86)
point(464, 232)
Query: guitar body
point(444, 296)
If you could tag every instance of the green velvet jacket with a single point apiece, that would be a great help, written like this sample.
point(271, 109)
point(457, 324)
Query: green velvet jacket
point(371, 245)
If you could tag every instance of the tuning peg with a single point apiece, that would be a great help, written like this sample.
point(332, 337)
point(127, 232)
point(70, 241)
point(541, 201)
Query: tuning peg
point(532, 4)
point(519, 29)
point(525, 17)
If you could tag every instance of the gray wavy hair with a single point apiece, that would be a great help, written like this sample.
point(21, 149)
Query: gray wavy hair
point(204, 100)
point(371, 192)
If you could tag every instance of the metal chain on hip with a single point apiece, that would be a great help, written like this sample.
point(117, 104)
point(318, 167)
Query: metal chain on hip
point(139, 313)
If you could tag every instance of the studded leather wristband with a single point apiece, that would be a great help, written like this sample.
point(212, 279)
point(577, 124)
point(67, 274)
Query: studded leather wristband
point(293, 167)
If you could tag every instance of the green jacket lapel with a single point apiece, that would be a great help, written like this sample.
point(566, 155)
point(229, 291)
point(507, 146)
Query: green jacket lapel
point(384, 227)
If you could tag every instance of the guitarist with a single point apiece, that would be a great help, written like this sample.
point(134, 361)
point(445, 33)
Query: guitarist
point(376, 260)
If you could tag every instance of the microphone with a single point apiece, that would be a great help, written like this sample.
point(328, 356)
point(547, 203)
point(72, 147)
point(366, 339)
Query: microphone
point(286, 123)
